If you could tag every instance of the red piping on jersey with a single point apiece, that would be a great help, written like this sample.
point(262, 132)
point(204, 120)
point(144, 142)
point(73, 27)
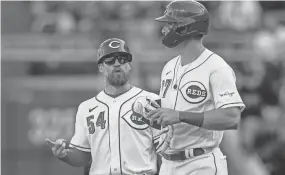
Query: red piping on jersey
point(231, 104)
point(175, 72)
point(79, 146)
point(215, 163)
point(108, 123)
point(119, 133)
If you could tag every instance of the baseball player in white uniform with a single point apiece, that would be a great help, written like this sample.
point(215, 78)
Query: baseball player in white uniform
point(199, 97)
point(106, 131)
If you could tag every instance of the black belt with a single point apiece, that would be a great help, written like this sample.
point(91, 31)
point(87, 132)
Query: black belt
point(183, 155)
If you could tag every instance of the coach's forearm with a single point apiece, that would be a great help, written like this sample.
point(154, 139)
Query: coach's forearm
point(219, 119)
point(77, 158)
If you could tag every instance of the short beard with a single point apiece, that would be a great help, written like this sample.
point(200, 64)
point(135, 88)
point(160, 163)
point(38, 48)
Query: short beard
point(116, 79)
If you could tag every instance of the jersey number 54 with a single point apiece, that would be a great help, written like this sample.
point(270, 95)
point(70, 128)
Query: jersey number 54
point(100, 122)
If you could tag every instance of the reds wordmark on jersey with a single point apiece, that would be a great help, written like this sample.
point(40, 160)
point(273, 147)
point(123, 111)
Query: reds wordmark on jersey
point(120, 143)
point(207, 83)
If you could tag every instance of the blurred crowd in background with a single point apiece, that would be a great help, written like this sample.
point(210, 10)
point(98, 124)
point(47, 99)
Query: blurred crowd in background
point(48, 43)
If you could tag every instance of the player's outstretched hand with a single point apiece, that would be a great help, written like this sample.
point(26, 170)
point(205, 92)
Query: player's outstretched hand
point(164, 116)
point(58, 147)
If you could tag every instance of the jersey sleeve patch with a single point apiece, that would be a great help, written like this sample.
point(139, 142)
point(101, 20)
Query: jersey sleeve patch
point(224, 89)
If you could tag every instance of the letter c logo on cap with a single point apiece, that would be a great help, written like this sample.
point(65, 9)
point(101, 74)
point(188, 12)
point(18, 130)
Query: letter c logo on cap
point(114, 44)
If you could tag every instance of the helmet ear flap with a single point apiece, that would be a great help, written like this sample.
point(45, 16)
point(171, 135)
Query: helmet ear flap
point(182, 30)
point(172, 39)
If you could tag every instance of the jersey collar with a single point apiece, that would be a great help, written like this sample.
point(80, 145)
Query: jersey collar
point(102, 96)
point(200, 60)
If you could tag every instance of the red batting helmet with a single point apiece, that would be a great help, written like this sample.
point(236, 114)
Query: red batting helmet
point(111, 47)
point(190, 18)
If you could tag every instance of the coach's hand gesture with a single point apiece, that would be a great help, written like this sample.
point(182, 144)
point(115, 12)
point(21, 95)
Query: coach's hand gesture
point(58, 147)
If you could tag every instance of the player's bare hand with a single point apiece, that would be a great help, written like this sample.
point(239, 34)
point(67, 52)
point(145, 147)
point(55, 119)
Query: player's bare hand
point(58, 147)
point(164, 116)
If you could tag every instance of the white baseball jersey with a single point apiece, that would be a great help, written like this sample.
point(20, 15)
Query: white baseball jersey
point(207, 83)
point(120, 143)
